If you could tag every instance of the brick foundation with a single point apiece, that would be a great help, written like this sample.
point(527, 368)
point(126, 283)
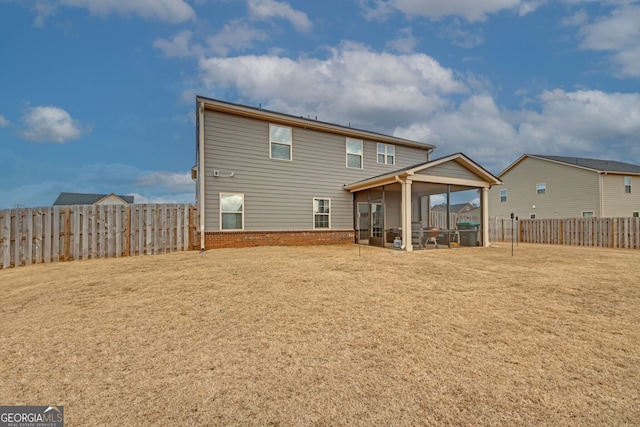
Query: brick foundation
point(243, 239)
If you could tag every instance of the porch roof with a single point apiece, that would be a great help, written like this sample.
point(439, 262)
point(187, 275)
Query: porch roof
point(483, 177)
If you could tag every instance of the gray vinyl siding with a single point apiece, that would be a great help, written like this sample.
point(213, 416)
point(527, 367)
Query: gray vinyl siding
point(616, 202)
point(570, 191)
point(278, 194)
point(449, 170)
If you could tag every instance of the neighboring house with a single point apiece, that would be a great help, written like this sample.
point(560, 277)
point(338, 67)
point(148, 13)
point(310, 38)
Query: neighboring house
point(459, 208)
point(66, 199)
point(266, 178)
point(538, 186)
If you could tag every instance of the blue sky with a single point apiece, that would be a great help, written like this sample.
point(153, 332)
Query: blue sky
point(98, 96)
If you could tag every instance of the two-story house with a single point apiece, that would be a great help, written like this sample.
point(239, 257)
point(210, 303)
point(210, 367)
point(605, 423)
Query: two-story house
point(267, 178)
point(537, 186)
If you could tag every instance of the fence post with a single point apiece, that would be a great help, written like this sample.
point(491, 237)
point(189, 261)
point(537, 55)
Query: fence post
point(5, 238)
point(127, 231)
point(67, 234)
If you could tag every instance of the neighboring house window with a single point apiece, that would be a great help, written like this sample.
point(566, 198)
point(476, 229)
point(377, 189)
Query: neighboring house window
point(231, 211)
point(503, 195)
point(636, 214)
point(541, 188)
point(354, 153)
point(321, 213)
point(280, 142)
point(587, 214)
point(532, 216)
point(627, 184)
point(386, 154)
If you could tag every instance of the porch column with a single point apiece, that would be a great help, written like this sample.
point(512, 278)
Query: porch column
point(406, 217)
point(484, 204)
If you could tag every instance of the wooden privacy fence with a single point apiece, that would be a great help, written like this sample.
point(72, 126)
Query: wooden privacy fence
point(621, 233)
point(65, 233)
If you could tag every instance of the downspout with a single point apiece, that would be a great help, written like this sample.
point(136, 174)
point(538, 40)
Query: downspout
point(600, 196)
point(404, 226)
point(201, 173)
point(449, 215)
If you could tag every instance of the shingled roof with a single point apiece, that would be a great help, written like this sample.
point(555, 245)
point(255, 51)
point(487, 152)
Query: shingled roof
point(65, 199)
point(599, 165)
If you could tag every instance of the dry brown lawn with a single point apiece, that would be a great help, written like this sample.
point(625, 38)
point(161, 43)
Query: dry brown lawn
point(293, 336)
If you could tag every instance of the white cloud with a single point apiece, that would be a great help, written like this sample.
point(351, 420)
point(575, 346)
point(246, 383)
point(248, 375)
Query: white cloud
point(235, 36)
point(50, 124)
point(527, 7)
point(471, 10)
point(581, 17)
point(268, 9)
point(582, 123)
point(477, 127)
point(405, 43)
point(169, 180)
point(4, 122)
point(103, 178)
point(42, 11)
point(583, 120)
point(618, 33)
point(147, 186)
point(174, 11)
point(30, 195)
point(162, 199)
point(391, 89)
point(177, 47)
point(460, 37)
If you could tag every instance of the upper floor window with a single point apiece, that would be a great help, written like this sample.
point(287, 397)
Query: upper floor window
point(354, 153)
point(231, 211)
point(627, 184)
point(503, 195)
point(280, 142)
point(386, 154)
point(541, 188)
point(321, 213)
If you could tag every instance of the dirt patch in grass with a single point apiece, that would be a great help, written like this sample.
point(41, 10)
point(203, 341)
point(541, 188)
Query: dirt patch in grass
point(325, 336)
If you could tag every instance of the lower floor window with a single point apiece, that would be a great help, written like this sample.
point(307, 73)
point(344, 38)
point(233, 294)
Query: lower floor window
point(587, 214)
point(321, 213)
point(231, 211)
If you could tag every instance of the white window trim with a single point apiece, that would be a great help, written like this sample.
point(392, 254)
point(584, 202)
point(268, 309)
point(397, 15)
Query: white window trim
point(221, 211)
point(386, 154)
point(506, 195)
point(545, 188)
point(280, 143)
point(346, 147)
point(593, 214)
point(313, 210)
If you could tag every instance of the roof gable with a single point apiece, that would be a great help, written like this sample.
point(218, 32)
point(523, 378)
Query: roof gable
point(478, 171)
